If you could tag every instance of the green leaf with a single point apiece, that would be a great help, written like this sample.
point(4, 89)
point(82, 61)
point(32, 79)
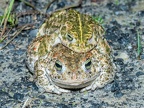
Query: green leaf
point(98, 19)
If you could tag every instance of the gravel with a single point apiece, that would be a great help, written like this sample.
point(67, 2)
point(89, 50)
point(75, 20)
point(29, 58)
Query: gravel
point(122, 21)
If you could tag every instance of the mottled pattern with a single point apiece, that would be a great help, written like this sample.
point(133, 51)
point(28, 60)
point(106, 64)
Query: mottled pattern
point(57, 68)
point(79, 32)
point(70, 53)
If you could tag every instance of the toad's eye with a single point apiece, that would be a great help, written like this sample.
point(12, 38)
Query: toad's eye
point(58, 65)
point(69, 37)
point(88, 64)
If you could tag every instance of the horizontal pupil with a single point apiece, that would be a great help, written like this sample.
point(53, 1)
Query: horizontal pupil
point(88, 64)
point(69, 37)
point(58, 65)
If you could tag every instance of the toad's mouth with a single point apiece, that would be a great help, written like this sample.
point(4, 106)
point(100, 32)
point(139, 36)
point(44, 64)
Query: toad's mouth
point(73, 84)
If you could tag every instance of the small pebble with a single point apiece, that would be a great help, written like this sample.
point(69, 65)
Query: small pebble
point(139, 73)
point(115, 87)
point(33, 32)
point(118, 94)
point(41, 96)
point(20, 51)
point(61, 5)
point(142, 57)
point(18, 96)
point(123, 55)
point(129, 47)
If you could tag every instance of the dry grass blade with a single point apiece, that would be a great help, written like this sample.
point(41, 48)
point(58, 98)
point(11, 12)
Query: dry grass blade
point(48, 5)
point(27, 3)
point(72, 6)
point(5, 35)
point(27, 102)
point(15, 34)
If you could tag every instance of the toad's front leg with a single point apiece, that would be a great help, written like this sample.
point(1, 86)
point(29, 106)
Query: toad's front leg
point(43, 80)
point(106, 73)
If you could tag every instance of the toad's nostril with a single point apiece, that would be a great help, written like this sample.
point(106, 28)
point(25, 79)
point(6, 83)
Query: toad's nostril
point(69, 73)
point(79, 72)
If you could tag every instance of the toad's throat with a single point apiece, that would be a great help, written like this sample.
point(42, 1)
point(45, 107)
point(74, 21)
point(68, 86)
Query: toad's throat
point(75, 84)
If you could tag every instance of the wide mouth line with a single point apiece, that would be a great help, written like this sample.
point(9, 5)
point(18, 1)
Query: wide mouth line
point(74, 82)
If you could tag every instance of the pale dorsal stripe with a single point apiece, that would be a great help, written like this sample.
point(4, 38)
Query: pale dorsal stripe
point(80, 27)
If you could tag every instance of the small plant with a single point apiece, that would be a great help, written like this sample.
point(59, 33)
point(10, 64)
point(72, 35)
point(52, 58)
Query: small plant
point(11, 20)
point(1, 40)
point(99, 19)
point(7, 15)
point(117, 2)
point(7, 18)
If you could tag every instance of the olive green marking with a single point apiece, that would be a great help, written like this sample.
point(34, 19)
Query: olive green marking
point(42, 50)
